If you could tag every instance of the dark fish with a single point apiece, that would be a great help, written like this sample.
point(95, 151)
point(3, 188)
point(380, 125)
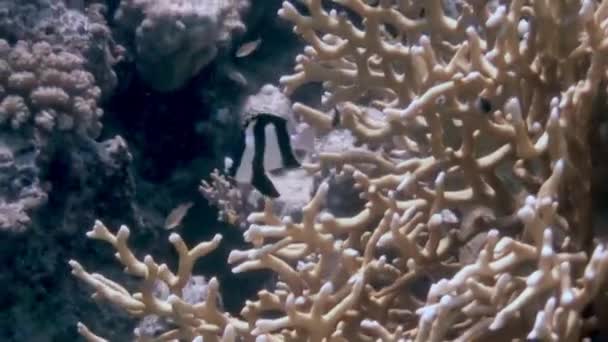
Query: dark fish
point(264, 145)
point(484, 105)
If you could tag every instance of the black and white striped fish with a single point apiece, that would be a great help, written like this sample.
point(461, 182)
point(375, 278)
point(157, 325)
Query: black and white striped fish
point(264, 145)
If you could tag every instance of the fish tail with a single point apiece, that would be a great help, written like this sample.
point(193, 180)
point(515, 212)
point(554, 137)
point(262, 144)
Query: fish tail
point(264, 185)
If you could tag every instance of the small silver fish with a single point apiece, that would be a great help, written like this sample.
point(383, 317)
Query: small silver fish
point(176, 215)
point(248, 48)
point(237, 77)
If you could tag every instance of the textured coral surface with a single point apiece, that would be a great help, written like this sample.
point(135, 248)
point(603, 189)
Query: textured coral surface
point(47, 88)
point(174, 39)
point(453, 183)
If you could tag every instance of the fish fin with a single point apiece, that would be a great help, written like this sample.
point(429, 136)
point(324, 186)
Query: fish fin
point(263, 184)
point(238, 153)
point(259, 179)
point(284, 142)
point(272, 148)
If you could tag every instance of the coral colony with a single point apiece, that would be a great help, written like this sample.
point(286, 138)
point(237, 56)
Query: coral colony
point(471, 159)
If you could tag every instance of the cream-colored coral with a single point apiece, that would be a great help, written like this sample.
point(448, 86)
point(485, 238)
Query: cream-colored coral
point(46, 88)
point(484, 126)
point(204, 319)
point(474, 164)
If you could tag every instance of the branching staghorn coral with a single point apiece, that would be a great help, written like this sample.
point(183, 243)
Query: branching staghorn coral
point(204, 319)
point(485, 126)
point(477, 223)
point(232, 206)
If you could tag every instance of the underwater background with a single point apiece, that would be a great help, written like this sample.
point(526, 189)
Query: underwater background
point(125, 112)
point(150, 156)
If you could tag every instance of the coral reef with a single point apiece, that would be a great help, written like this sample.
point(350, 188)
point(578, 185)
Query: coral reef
point(56, 70)
point(44, 202)
point(207, 319)
point(82, 33)
point(45, 92)
point(472, 158)
point(22, 191)
point(49, 89)
point(173, 40)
